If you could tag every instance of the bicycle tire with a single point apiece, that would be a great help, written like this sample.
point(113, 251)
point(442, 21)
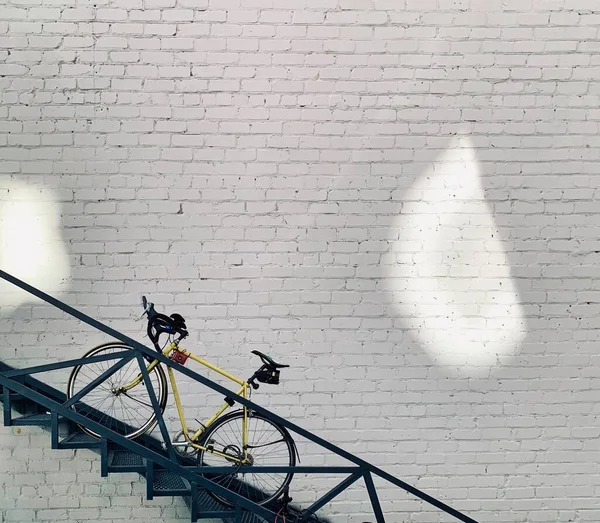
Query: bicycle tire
point(259, 488)
point(95, 406)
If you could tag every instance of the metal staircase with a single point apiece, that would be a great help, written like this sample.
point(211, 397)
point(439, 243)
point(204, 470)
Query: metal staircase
point(113, 458)
point(166, 473)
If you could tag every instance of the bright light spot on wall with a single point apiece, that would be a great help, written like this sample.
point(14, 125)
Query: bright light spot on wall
point(31, 245)
point(450, 274)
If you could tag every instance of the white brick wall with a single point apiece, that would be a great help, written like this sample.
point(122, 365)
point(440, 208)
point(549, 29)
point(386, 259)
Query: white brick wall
point(398, 197)
point(41, 484)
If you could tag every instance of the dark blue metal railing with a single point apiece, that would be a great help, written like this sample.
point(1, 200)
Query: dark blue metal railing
point(195, 475)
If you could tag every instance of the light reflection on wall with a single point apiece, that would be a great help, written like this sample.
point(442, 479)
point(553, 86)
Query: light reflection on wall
point(451, 277)
point(31, 245)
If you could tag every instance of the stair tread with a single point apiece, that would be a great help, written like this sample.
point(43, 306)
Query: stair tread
point(81, 438)
point(168, 480)
point(32, 419)
point(125, 458)
point(206, 503)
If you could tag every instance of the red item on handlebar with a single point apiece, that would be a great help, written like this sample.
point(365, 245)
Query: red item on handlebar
point(179, 357)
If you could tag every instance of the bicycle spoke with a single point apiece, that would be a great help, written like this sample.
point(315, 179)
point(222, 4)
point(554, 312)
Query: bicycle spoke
point(137, 400)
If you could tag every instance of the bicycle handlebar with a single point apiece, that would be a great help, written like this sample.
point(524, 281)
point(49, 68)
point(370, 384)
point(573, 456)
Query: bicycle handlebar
point(161, 323)
point(175, 324)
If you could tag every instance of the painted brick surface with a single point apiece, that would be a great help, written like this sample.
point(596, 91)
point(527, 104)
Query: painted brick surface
point(397, 197)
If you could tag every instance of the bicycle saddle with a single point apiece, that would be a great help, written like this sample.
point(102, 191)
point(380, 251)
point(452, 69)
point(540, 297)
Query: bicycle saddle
point(267, 360)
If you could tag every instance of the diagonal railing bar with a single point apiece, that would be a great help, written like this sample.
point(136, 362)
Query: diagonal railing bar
point(138, 448)
point(373, 497)
point(239, 399)
point(97, 381)
point(64, 364)
point(335, 491)
point(161, 422)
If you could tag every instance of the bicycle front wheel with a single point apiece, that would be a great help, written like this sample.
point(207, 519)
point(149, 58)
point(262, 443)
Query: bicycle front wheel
point(128, 413)
point(269, 444)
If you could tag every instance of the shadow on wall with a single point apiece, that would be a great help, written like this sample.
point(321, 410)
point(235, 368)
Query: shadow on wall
point(449, 271)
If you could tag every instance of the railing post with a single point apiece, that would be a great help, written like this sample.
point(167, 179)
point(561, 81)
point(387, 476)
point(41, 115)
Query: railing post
point(6, 406)
point(374, 499)
point(238, 514)
point(194, 502)
point(54, 430)
point(149, 479)
point(156, 407)
point(104, 458)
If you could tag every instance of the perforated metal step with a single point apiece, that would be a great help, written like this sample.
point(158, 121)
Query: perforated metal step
point(41, 420)
point(79, 440)
point(125, 461)
point(209, 507)
point(167, 483)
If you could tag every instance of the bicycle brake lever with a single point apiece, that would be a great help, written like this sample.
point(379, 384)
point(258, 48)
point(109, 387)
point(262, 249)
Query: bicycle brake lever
point(146, 312)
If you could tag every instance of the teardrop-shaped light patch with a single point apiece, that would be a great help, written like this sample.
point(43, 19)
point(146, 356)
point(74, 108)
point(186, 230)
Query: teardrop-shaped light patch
point(450, 275)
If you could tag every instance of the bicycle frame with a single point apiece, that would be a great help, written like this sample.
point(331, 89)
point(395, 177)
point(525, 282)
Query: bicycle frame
point(193, 438)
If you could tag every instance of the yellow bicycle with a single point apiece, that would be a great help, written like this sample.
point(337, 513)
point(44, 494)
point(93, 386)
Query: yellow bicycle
point(239, 439)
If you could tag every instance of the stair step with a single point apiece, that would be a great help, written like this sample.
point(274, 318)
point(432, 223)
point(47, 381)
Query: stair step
point(41, 420)
point(167, 483)
point(125, 461)
point(208, 507)
point(79, 440)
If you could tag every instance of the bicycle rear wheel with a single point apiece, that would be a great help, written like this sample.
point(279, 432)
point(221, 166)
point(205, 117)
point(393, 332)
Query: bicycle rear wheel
point(128, 413)
point(269, 444)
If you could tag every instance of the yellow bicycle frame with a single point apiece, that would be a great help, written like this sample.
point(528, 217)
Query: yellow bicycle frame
point(243, 391)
